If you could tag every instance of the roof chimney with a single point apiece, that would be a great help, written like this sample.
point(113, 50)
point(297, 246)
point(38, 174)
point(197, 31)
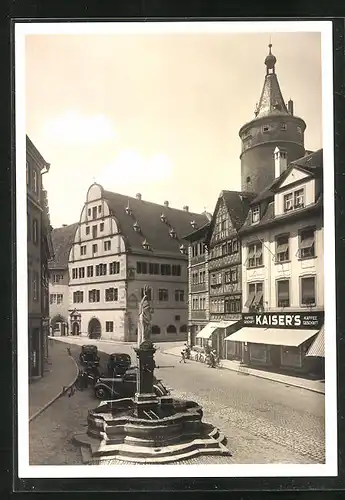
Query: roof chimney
point(280, 162)
point(138, 196)
point(166, 203)
point(186, 208)
point(290, 106)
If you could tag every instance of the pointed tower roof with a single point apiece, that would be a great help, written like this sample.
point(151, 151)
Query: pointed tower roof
point(271, 100)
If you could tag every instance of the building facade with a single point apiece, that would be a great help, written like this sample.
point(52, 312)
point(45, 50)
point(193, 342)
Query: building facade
point(121, 245)
point(282, 267)
point(62, 239)
point(198, 282)
point(39, 253)
point(274, 125)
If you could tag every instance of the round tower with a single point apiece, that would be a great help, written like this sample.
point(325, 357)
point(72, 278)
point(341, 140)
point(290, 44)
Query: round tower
point(274, 125)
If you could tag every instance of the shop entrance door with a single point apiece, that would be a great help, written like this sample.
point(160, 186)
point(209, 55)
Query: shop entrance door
point(275, 356)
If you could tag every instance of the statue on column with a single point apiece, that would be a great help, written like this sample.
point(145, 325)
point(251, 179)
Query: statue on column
point(144, 323)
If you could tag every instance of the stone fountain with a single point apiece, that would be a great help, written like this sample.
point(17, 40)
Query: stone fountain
point(148, 428)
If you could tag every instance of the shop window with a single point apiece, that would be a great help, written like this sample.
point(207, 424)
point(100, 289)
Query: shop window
point(255, 214)
point(155, 330)
point(291, 356)
point(255, 296)
point(171, 329)
point(307, 244)
point(282, 248)
point(308, 296)
point(254, 255)
point(163, 295)
point(283, 293)
point(109, 326)
point(259, 353)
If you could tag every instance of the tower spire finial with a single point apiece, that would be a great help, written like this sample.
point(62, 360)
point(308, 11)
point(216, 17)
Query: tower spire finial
point(270, 60)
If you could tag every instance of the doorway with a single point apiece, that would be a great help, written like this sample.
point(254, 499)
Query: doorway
point(75, 328)
point(94, 329)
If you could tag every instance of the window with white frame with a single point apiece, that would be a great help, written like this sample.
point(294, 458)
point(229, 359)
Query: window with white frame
point(163, 295)
point(81, 272)
point(283, 293)
point(255, 296)
point(57, 278)
point(87, 229)
point(308, 292)
point(179, 295)
point(83, 250)
point(299, 198)
point(94, 213)
point(78, 296)
point(89, 271)
point(294, 200)
point(114, 267)
point(307, 243)
point(282, 248)
point(255, 214)
point(94, 248)
point(109, 326)
point(94, 295)
point(254, 258)
point(288, 202)
point(101, 269)
point(74, 273)
point(111, 294)
point(107, 245)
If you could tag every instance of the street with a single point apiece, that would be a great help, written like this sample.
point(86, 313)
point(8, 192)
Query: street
point(265, 421)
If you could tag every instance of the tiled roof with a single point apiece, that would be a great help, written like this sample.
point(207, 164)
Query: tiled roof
point(198, 233)
point(237, 204)
point(62, 238)
point(153, 230)
point(311, 163)
point(271, 99)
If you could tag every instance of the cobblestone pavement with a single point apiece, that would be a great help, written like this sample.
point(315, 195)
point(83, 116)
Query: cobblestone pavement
point(265, 422)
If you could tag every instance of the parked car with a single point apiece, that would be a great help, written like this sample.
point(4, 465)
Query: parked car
point(118, 364)
point(124, 386)
point(89, 355)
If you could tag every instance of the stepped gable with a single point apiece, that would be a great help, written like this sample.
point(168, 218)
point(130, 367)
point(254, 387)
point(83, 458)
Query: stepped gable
point(62, 238)
point(152, 229)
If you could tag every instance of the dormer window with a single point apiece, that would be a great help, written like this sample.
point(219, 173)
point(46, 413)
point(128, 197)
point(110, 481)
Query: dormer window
point(255, 214)
point(193, 224)
point(183, 249)
point(146, 245)
point(163, 218)
point(283, 126)
point(265, 128)
point(136, 227)
point(128, 210)
point(299, 198)
point(294, 200)
point(288, 202)
point(172, 233)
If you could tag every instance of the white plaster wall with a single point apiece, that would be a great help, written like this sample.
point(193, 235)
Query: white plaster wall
point(118, 317)
point(309, 195)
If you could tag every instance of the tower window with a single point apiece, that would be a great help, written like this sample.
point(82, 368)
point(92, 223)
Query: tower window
point(265, 128)
point(283, 126)
point(299, 130)
point(248, 179)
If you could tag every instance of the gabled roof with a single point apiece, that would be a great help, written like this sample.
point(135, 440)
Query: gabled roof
point(237, 204)
point(153, 230)
point(62, 238)
point(198, 234)
point(312, 164)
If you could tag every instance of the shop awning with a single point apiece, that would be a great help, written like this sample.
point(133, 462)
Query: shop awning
point(273, 336)
point(317, 348)
point(207, 331)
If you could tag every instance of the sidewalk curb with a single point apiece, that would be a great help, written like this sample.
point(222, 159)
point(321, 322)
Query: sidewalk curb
point(64, 390)
point(258, 376)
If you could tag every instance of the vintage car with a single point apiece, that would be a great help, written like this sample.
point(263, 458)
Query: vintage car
point(124, 386)
point(118, 364)
point(89, 355)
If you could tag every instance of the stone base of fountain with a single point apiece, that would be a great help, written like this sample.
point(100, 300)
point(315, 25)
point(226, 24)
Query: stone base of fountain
point(157, 431)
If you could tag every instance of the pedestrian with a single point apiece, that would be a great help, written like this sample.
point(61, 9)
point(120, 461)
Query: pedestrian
point(183, 356)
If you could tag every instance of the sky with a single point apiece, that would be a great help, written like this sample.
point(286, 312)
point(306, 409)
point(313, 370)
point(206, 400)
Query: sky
point(157, 114)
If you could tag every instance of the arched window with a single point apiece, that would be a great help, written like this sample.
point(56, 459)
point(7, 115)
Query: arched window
point(155, 330)
point(171, 329)
point(183, 329)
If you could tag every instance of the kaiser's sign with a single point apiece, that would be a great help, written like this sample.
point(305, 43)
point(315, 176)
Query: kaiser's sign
point(312, 320)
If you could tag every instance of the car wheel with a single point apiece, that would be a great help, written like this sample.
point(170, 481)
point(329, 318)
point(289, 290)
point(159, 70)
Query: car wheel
point(101, 393)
